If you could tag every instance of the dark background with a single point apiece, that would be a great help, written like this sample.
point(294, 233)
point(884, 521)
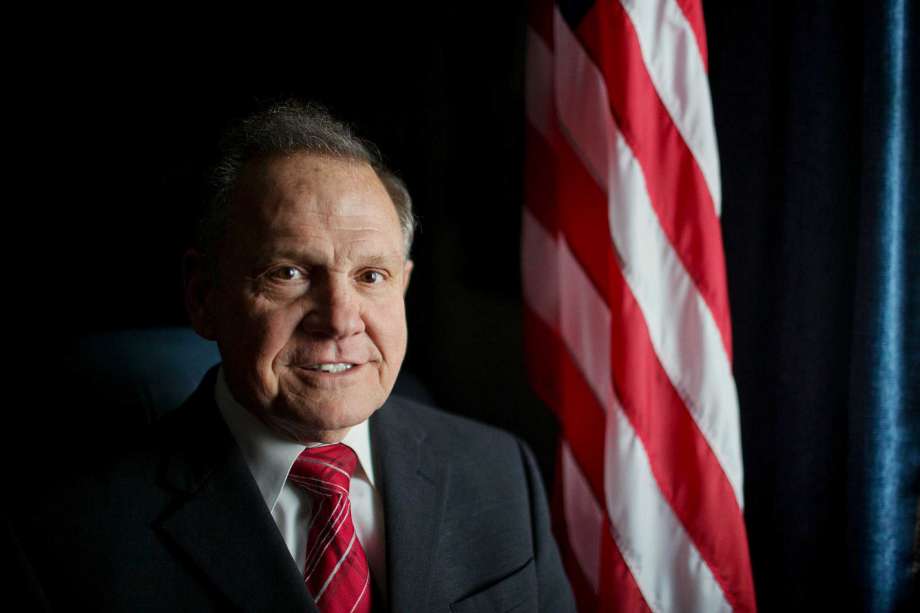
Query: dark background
point(117, 129)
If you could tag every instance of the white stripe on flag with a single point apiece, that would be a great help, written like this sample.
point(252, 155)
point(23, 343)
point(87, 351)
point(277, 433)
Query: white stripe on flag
point(540, 270)
point(681, 327)
point(584, 518)
point(667, 567)
point(674, 63)
point(651, 539)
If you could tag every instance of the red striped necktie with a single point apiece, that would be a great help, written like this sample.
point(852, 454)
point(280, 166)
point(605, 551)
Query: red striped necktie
point(336, 571)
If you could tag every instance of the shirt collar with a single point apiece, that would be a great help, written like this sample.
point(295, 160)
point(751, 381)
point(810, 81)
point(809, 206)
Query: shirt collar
point(269, 455)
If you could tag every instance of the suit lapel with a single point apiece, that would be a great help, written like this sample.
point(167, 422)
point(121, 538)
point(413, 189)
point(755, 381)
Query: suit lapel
point(413, 482)
point(220, 520)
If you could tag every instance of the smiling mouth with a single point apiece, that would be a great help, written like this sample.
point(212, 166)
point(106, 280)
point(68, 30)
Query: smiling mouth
point(331, 367)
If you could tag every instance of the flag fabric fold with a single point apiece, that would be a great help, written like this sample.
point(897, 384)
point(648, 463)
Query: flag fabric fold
point(626, 308)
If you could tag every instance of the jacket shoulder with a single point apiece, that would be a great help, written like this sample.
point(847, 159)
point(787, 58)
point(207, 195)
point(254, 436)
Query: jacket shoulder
point(453, 434)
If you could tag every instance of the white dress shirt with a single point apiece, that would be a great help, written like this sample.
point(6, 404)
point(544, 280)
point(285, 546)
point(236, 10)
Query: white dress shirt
point(270, 457)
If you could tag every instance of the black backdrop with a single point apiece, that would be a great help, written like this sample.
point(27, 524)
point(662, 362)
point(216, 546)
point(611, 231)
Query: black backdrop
point(117, 126)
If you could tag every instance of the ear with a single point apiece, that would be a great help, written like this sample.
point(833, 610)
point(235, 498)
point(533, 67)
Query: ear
point(407, 274)
point(199, 293)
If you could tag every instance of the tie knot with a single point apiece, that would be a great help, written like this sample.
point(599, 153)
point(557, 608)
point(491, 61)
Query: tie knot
point(333, 464)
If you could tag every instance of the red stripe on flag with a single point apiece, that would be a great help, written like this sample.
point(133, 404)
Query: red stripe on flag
point(693, 12)
point(619, 592)
point(581, 415)
point(688, 473)
point(540, 189)
point(676, 185)
point(543, 354)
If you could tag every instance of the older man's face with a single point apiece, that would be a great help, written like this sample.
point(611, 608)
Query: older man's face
point(308, 308)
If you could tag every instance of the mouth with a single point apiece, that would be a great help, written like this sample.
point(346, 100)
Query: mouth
point(330, 367)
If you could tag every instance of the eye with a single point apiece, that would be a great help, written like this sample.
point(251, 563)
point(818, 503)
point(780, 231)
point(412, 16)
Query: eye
point(372, 277)
point(286, 273)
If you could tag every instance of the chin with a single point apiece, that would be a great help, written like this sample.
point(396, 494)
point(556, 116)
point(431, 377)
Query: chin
point(324, 422)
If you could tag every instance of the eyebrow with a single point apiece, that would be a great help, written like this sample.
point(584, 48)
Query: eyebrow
point(382, 260)
point(302, 254)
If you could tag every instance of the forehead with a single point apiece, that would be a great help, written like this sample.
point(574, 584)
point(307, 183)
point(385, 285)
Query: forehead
point(315, 201)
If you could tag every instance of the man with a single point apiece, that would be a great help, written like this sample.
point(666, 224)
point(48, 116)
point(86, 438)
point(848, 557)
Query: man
point(291, 480)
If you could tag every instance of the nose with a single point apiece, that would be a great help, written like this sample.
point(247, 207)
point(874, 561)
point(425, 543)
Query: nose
point(334, 311)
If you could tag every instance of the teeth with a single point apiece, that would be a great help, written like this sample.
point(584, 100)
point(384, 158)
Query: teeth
point(333, 368)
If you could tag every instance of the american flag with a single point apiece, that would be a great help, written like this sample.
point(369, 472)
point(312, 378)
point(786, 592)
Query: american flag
point(626, 308)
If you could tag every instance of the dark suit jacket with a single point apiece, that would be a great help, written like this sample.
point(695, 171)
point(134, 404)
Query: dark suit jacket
point(178, 523)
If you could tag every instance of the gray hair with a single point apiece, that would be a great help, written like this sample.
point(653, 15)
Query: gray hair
point(290, 127)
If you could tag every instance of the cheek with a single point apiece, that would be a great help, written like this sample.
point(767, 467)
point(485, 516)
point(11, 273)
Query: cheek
point(389, 329)
point(264, 332)
point(279, 332)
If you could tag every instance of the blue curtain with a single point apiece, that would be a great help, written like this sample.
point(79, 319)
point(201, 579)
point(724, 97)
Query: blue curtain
point(884, 408)
point(817, 117)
